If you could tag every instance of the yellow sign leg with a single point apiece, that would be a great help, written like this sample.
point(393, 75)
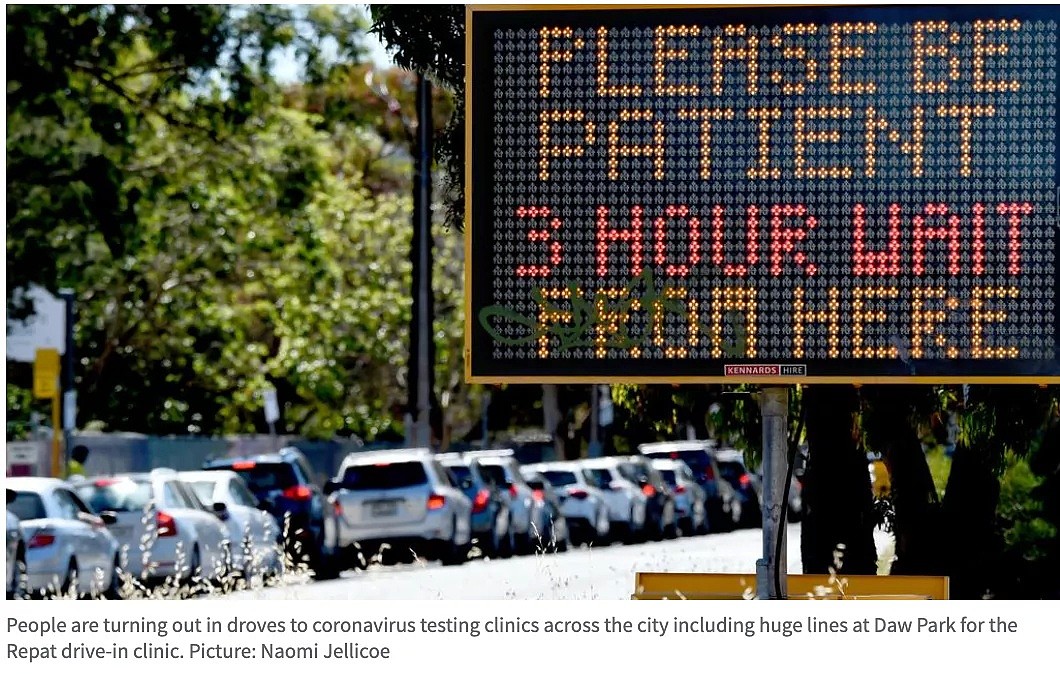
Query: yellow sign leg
point(57, 457)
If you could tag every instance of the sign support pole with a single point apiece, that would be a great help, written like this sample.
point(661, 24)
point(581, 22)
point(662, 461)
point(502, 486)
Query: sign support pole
point(772, 570)
point(58, 469)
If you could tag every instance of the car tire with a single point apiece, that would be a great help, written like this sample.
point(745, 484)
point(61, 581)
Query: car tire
point(70, 581)
point(194, 570)
point(113, 591)
point(454, 554)
point(18, 579)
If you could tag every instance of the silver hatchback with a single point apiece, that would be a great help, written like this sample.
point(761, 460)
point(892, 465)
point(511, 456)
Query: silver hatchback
point(399, 500)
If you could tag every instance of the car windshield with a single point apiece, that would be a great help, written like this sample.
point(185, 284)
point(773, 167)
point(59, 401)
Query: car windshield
point(670, 477)
point(123, 496)
point(494, 473)
point(263, 478)
point(27, 506)
point(384, 476)
point(204, 489)
point(560, 478)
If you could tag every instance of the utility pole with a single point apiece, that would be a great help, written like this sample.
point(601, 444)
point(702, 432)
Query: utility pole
point(421, 361)
point(594, 421)
point(772, 570)
point(68, 385)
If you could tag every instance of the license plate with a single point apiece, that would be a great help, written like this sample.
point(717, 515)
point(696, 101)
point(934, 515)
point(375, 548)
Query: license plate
point(384, 508)
point(120, 532)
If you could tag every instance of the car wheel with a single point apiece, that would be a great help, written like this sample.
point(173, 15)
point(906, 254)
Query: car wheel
point(195, 567)
point(453, 553)
point(70, 587)
point(18, 578)
point(113, 591)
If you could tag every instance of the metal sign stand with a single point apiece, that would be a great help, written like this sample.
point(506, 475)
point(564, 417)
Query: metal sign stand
point(772, 569)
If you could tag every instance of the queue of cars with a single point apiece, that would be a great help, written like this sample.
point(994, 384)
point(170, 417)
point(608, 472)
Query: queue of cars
point(253, 518)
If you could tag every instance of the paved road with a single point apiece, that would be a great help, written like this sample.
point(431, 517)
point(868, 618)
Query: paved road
point(599, 573)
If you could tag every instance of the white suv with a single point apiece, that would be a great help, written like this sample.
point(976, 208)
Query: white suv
point(627, 504)
point(581, 501)
point(401, 499)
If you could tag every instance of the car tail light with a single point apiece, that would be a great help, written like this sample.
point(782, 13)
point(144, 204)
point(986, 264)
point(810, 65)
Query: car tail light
point(40, 539)
point(648, 490)
point(482, 499)
point(680, 489)
point(578, 493)
point(106, 482)
point(299, 492)
point(513, 490)
point(165, 525)
point(539, 495)
point(745, 480)
point(337, 508)
point(674, 455)
point(244, 465)
point(435, 502)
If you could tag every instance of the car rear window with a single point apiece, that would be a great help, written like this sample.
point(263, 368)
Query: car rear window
point(670, 477)
point(27, 506)
point(384, 476)
point(460, 472)
point(123, 496)
point(731, 470)
point(204, 490)
point(494, 473)
point(602, 476)
point(697, 459)
point(263, 478)
point(560, 478)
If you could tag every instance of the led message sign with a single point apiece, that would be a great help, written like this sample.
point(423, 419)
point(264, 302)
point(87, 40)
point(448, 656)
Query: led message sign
point(798, 194)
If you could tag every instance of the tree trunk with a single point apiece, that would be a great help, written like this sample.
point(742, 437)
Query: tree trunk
point(837, 495)
point(917, 511)
point(969, 509)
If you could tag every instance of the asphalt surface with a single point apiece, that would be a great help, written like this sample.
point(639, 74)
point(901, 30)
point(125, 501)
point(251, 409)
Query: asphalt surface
point(584, 573)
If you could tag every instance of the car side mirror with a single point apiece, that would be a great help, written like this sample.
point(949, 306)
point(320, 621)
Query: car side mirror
point(109, 517)
point(11, 496)
point(221, 510)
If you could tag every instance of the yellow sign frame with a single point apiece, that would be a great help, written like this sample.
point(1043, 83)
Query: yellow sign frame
point(699, 586)
point(605, 379)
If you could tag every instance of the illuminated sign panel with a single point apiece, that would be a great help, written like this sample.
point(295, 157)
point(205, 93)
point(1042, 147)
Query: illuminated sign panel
point(846, 194)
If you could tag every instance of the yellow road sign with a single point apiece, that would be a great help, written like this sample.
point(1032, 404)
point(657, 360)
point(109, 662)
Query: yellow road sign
point(46, 373)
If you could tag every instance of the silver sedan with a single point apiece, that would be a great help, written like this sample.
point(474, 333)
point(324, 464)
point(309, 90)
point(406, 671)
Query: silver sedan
point(253, 533)
point(68, 548)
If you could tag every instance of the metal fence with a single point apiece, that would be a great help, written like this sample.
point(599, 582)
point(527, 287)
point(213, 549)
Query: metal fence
point(111, 453)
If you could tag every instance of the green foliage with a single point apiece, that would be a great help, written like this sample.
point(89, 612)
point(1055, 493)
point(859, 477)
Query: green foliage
point(939, 464)
point(222, 234)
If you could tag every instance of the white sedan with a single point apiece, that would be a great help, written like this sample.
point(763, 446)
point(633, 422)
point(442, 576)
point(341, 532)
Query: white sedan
point(68, 548)
point(164, 530)
point(253, 533)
